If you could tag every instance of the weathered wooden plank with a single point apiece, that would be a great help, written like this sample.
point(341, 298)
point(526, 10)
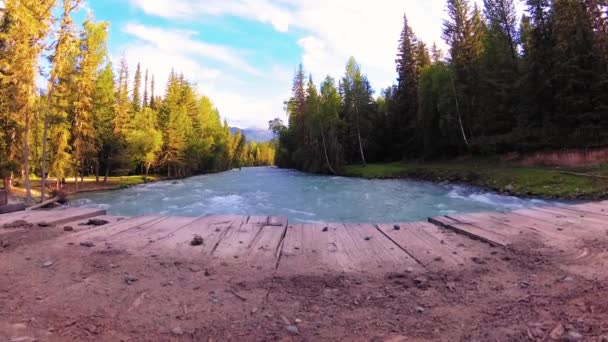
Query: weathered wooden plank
point(369, 249)
point(264, 251)
point(541, 229)
point(143, 236)
point(561, 221)
point(429, 250)
point(105, 232)
point(593, 208)
point(471, 230)
point(590, 219)
point(235, 243)
point(210, 228)
point(310, 249)
point(11, 208)
point(54, 216)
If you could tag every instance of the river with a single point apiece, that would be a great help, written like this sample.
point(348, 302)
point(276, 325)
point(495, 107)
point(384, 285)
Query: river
point(301, 197)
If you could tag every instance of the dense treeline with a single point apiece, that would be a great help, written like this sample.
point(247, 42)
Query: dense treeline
point(506, 84)
point(89, 121)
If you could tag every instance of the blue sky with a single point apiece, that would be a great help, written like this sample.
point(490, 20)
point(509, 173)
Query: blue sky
point(242, 53)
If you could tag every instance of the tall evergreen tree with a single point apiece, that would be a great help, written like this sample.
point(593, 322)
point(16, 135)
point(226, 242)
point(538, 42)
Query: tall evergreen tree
point(463, 31)
point(60, 66)
point(406, 96)
point(572, 76)
point(29, 22)
point(137, 89)
point(146, 90)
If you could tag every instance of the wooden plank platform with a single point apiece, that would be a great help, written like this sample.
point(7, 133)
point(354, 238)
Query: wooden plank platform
point(53, 217)
point(271, 243)
point(552, 226)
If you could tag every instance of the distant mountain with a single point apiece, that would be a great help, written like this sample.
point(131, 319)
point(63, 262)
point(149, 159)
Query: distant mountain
point(254, 134)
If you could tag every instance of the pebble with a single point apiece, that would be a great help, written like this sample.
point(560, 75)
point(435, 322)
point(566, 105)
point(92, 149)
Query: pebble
point(48, 263)
point(557, 332)
point(297, 320)
point(96, 222)
point(177, 331)
point(293, 330)
point(87, 244)
point(572, 336)
point(367, 238)
point(129, 279)
point(197, 240)
point(419, 309)
point(68, 228)
point(325, 229)
point(44, 224)
point(397, 227)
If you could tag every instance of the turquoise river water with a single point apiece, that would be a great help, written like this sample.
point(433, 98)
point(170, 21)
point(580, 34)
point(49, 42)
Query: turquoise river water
point(301, 197)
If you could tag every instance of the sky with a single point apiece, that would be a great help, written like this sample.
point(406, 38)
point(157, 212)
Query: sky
point(243, 53)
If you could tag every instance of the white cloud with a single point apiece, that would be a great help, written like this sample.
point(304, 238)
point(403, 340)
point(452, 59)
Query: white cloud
point(182, 41)
point(161, 51)
point(261, 10)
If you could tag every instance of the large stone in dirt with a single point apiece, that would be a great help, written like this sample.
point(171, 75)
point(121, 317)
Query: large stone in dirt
point(96, 222)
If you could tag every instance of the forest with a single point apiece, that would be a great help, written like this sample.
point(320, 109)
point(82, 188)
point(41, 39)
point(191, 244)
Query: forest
point(93, 118)
point(508, 83)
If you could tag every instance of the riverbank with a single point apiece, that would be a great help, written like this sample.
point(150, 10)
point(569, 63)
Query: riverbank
point(89, 184)
point(546, 182)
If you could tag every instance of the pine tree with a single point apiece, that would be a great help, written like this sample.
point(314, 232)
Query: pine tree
point(572, 76)
point(146, 90)
point(29, 23)
point(104, 99)
point(406, 96)
point(122, 100)
point(137, 89)
point(499, 105)
point(61, 62)
point(463, 31)
point(358, 107)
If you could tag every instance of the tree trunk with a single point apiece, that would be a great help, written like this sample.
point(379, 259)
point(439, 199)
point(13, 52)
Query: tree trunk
point(26, 159)
point(7, 185)
point(97, 172)
point(464, 136)
point(107, 174)
point(359, 137)
point(146, 176)
point(325, 150)
point(43, 161)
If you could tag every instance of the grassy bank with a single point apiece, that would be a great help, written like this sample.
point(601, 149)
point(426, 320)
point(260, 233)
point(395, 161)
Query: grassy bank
point(547, 182)
point(88, 184)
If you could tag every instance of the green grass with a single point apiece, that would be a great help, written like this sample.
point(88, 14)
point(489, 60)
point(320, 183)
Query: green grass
point(517, 180)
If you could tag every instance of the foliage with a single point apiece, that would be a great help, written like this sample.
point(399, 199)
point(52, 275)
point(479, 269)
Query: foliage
point(505, 85)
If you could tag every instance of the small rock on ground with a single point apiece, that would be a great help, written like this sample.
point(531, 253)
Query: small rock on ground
point(48, 263)
point(397, 227)
point(87, 244)
point(68, 228)
point(44, 224)
point(177, 331)
point(197, 240)
point(129, 279)
point(96, 222)
point(293, 330)
point(572, 336)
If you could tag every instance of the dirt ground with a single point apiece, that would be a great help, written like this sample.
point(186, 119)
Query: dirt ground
point(78, 293)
